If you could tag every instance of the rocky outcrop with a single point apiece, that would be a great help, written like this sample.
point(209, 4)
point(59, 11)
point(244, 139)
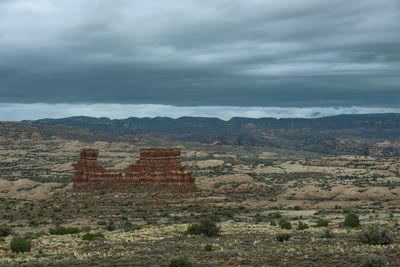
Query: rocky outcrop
point(155, 165)
point(159, 165)
point(88, 170)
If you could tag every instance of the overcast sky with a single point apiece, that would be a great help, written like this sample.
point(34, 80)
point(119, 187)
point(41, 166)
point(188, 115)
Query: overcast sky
point(265, 53)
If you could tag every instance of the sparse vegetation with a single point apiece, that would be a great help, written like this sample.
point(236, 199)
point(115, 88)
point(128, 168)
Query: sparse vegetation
point(296, 190)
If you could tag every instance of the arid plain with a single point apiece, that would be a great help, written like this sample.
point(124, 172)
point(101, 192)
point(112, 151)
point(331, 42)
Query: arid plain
point(247, 190)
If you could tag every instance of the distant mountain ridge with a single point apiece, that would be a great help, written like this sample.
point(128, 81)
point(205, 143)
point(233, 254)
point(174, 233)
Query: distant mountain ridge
point(347, 133)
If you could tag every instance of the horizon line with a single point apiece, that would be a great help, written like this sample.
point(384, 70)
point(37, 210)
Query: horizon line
point(36, 111)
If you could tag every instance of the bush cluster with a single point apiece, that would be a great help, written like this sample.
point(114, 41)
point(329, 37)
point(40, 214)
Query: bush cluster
point(90, 236)
point(19, 244)
point(375, 236)
point(302, 226)
point(284, 224)
point(61, 230)
point(373, 261)
point(206, 227)
point(180, 262)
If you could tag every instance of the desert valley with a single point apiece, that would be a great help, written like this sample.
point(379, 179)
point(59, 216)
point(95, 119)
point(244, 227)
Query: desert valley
point(255, 197)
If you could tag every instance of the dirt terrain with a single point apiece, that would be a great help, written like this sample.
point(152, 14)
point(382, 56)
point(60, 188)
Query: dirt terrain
point(247, 189)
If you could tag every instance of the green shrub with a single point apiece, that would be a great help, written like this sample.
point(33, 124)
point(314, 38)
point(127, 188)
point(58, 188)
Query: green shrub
point(302, 226)
point(284, 224)
point(61, 230)
point(273, 223)
point(85, 229)
point(375, 236)
point(206, 227)
point(372, 260)
point(193, 229)
point(258, 218)
point(127, 227)
point(34, 235)
point(208, 247)
point(275, 215)
point(327, 234)
point(281, 237)
point(351, 220)
point(322, 223)
point(110, 226)
point(5, 230)
point(19, 244)
point(90, 236)
point(33, 223)
point(214, 218)
point(180, 262)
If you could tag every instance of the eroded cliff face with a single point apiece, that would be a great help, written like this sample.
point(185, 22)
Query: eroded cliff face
point(159, 165)
point(88, 170)
point(155, 165)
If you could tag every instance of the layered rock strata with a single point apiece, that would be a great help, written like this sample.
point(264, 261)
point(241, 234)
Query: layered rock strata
point(159, 165)
point(89, 170)
point(155, 165)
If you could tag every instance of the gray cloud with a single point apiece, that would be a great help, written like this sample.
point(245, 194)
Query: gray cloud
point(241, 53)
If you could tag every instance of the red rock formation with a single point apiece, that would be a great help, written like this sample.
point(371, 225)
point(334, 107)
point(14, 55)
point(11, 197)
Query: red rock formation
point(155, 165)
point(88, 170)
point(160, 165)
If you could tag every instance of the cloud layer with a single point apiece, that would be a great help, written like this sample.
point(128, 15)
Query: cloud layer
point(18, 112)
point(213, 52)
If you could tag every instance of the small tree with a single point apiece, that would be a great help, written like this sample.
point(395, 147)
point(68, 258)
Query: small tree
point(351, 220)
point(19, 244)
point(206, 227)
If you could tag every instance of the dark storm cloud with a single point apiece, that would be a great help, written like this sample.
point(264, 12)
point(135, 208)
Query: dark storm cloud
point(264, 53)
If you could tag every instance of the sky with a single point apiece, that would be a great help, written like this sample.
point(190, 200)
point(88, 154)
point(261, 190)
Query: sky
point(210, 57)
